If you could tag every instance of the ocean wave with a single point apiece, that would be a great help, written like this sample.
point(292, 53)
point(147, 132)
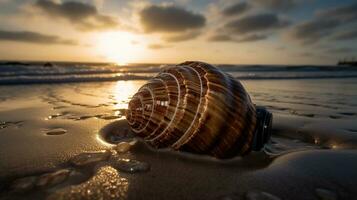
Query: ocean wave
point(36, 73)
point(73, 79)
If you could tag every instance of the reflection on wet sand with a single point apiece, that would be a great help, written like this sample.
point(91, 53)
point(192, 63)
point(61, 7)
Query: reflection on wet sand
point(122, 92)
point(105, 184)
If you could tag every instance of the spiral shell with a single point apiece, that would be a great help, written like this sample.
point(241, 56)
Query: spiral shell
point(194, 107)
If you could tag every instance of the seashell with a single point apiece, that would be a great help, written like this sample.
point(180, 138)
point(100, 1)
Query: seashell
point(195, 107)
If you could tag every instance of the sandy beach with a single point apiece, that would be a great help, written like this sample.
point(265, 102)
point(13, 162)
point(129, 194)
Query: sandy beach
point(71, 141)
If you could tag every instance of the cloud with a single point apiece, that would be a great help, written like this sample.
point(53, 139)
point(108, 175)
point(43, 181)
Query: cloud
point(252, 38)
point(340, 50)
point(4, 1)
point(347, 35)
point(169, 18)
point(84, 16)
point(325, 24)
point(256, 23)
point(312, 31)
point(227, 38)
point(180, 37)
point(277, 4)
point(236, 9)
point(220, 38)
point(33, 37)
point(157, 46)
point(281, 48)
point(345, 13)
point(306, 54)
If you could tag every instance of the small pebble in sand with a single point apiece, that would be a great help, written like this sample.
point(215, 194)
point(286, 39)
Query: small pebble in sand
point(131, 166)
point(24, 184)
point(56, 131)
point(260, 195)
point(124, 147)
point(54, 178)
point(90, 157)
point(324, 194)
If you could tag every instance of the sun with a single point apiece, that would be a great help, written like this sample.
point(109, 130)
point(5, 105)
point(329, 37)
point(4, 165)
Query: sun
point(120, 47)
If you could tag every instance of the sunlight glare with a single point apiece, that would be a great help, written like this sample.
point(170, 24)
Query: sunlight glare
point(123, 91)
point(120, 47)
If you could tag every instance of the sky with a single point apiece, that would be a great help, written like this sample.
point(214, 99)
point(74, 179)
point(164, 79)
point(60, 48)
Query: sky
point(154, 31)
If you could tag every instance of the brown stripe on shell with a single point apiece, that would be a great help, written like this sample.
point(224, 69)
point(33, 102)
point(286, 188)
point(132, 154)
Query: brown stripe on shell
point(184, 115)
point(160, 97)
point(172, 94)
point(167, 135)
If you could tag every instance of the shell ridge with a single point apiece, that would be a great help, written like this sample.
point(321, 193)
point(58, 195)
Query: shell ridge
point(175, 145)
point(133, 122)
point(142, 105)
point(203, 116)
point(242, 144)
point(227, 125)
point(178, 126)
point(153, 116)
point(176, 108)
point(161, 122)
point(152, 110)
point(245, 135)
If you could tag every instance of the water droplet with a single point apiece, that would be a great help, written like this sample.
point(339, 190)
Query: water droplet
point(260, 195)
point(54, 178)
point(325, 194)
point(90, 157)
point(24, 184)
point(56, 131)
point(131, 166)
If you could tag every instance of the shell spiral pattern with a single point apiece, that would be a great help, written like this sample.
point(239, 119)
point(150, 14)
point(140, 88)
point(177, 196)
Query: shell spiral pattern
point(194, 107)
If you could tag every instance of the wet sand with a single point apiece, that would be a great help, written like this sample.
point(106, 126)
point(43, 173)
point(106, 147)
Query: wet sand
point(65, 141)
